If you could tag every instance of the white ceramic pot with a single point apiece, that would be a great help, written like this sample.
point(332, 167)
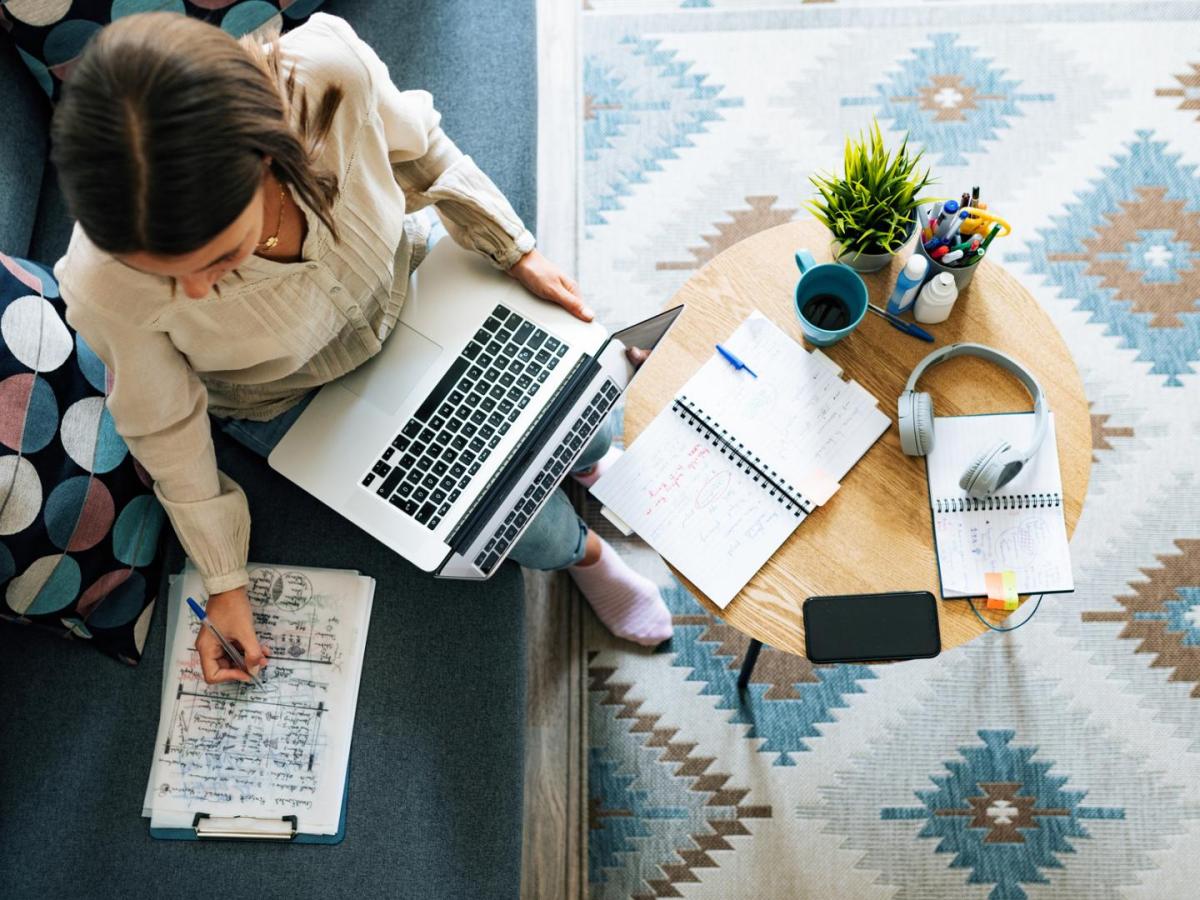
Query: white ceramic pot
point(869, 262)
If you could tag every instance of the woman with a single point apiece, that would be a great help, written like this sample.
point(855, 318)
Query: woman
point(244, 235)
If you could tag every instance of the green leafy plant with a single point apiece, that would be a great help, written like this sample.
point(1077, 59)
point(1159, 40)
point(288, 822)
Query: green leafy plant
point(869, 208)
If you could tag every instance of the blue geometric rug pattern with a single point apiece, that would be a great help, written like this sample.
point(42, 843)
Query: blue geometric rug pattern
point(949, 99)
point(641, 104)
point(1128, 249)
point(1002, 815)
point(1058, 761)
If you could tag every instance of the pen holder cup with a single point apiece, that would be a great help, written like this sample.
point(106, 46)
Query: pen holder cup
point(962, 275)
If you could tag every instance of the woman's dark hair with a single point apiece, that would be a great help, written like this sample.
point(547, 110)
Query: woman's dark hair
point(163, 126)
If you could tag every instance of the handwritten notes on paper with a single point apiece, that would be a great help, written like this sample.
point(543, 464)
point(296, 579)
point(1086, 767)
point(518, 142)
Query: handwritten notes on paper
point(694, 506)
point(1020, 528)
point(238, 750)
point(692, 485)
point(799, 414)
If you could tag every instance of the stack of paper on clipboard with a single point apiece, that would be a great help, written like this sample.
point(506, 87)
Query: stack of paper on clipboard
point(270, 762)
point(721, 478)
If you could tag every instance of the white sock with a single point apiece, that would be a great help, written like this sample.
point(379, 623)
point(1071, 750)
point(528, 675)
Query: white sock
point(592, 475)
point(628, 604)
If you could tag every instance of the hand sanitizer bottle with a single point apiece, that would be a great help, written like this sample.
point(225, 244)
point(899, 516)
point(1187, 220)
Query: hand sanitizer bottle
point(908, 283)
point(936, 299)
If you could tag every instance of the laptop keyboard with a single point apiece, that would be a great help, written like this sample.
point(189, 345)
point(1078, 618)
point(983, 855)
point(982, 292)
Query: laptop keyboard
point(547, 480)
point(442, 447)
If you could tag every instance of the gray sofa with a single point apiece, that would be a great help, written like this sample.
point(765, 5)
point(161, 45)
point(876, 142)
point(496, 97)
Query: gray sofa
point(435, 801)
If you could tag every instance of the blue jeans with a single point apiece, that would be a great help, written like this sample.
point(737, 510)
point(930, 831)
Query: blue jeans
point(555, 539)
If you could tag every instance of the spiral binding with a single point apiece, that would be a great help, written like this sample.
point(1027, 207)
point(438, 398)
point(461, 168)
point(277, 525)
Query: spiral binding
point(752, 464)
point(1009, 501)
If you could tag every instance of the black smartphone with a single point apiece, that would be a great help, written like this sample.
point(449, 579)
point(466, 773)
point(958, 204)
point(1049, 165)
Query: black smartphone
point(871, 627)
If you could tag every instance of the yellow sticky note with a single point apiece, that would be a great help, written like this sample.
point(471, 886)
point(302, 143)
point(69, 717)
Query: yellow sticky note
point(1001, 590)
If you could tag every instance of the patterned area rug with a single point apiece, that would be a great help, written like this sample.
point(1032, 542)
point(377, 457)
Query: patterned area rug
point(1059, 761)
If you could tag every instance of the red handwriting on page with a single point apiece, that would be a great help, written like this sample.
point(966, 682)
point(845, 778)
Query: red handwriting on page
point(660, 493)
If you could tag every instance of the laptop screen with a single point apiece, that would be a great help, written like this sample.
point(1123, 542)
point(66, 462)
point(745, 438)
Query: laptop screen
point(639, 339)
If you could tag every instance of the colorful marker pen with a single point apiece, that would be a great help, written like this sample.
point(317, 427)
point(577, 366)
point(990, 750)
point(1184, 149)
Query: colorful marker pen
point(954, 226)
point(946, 219)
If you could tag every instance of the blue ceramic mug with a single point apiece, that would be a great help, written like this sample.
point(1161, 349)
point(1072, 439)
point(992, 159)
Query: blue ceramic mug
point(830, 300)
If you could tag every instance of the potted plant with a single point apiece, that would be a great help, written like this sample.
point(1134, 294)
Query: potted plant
point(870, 208)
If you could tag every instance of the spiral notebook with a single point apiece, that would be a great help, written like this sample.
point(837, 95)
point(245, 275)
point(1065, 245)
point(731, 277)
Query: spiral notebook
point(1020, 528)
point(721, 478)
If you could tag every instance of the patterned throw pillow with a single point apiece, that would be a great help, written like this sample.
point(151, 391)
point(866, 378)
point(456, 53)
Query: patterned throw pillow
point(50, 34)
point(79, 522)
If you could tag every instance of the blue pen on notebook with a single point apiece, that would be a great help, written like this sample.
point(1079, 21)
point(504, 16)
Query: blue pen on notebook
point(230, 650)
point(734, 361)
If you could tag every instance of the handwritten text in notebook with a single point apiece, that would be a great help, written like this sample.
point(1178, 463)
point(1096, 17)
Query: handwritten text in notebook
point(721, 477)
point(694, 506)
point(1019, 528)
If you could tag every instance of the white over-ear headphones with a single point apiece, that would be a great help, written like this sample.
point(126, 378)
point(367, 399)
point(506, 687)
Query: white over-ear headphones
point(994, 467)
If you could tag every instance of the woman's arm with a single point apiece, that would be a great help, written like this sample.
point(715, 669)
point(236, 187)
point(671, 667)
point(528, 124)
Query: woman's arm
point(160, 408)
point(428, 166)
point(431, 169)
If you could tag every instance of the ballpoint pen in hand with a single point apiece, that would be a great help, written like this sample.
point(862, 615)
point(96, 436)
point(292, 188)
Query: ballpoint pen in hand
point(898, 323)
point(230, 650)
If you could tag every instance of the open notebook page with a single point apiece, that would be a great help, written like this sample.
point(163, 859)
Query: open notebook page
point(689, 502)
point(233, 750)
point(798, 415)
point(706, 515)
point(1030, 539)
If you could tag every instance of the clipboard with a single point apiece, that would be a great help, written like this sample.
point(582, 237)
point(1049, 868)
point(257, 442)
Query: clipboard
point(284, 830)
point(195, 822)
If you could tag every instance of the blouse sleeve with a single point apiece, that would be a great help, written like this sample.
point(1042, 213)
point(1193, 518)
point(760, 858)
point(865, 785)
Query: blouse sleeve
point(430, 168)
point(159, 406)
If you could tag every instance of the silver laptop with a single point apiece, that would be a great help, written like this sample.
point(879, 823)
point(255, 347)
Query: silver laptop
point(448, 442)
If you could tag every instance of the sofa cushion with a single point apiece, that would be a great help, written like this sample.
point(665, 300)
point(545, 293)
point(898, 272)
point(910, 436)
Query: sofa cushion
point(24, 139)
point(479, 60)
point(50, 34)
point(79, 523)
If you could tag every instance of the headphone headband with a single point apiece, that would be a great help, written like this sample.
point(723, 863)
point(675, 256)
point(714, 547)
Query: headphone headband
point(1004, 361)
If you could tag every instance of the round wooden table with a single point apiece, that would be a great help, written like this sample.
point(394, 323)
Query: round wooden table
point(875, 533)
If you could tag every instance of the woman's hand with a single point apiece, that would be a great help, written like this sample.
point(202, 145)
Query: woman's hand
point(230, 612)
point(544, 279)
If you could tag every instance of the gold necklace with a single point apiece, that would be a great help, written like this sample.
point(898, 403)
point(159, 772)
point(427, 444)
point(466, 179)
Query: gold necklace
point(269, 243)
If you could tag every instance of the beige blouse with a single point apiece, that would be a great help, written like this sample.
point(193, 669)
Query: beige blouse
point(283, 328)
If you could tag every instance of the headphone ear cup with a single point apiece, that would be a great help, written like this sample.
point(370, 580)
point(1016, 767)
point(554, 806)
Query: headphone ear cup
point(983, 474)
point(923, 423)
point(915, 421)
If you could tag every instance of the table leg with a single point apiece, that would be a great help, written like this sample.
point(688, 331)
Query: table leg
point(748, 663)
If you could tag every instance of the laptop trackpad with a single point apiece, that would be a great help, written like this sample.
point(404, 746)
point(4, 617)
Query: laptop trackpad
point(388, 379)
